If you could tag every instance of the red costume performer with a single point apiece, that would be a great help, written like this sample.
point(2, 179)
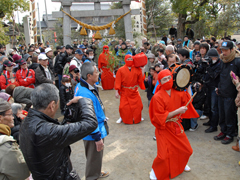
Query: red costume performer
point(25, 76)
point(7, 77)
point(103, 64)
point(127, 80)
point(173, 147)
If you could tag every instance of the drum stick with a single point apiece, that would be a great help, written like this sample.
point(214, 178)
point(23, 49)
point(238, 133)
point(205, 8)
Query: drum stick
point(189, 101)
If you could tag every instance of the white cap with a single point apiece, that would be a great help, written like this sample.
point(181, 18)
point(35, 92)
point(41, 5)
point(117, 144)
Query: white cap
point(42, 57)
point(47, 50)
point(37, 50)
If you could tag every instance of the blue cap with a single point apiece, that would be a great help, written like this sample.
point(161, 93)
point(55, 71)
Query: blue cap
point(179, 39)
point(162, 42)
point(82, 46)
point(79, 51)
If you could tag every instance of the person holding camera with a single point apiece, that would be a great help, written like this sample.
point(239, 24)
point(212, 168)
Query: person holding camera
point(197, 102)
point(75, 75)
point(93, 143)
point(45, 142)
point(212, 80)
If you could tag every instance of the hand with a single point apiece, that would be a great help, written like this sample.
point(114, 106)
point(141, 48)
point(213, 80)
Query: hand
point(216, 91)
point(116, 95)
point(53, 82)
point(21, 116)
point(74, 100)
point(235, 81)
point(146, 79)
point(182, 109)
point(99, 145)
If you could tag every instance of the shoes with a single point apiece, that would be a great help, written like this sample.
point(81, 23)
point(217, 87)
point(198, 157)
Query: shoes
point(207, 123)
point(119, 120)
point(203, 117)
point(154, 138)
point(194, 129)
point(220, 136)
point(104, 174)
point(210, 129)
point(227, 140)
point(187, 168)
point(236, 148)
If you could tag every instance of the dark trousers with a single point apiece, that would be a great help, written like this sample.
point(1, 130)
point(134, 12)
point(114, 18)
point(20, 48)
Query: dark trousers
point(94, 160)
point(214, 113)
point(227, 115)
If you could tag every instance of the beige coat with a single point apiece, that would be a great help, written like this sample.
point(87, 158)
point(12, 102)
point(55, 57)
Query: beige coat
point(12, 163)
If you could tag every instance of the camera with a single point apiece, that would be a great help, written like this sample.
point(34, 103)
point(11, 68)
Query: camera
point(70, 113)
point(76, 70)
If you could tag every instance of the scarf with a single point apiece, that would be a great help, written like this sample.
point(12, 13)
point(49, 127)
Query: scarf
point(4, 129)
point(230, 57)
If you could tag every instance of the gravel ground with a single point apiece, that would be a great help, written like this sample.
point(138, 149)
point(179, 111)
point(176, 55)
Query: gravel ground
point(130, 149)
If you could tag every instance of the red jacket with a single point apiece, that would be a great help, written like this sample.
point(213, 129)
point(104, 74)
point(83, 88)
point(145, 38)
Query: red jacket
point(4, 83)
point(28, 81)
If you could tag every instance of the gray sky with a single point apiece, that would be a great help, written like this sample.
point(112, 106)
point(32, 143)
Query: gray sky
point(51, 6)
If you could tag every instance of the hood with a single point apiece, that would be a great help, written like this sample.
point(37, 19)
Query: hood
point(105, 47)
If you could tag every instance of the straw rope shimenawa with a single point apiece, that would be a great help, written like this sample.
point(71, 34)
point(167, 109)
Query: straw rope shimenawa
point(96, 28)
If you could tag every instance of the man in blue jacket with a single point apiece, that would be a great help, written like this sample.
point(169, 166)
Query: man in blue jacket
point(93, 143)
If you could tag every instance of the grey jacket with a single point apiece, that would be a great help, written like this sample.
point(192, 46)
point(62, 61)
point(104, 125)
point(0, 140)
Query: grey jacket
point(22, 94)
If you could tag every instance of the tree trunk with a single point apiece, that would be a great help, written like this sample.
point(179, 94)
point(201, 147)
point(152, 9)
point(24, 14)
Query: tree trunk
point(181, 25)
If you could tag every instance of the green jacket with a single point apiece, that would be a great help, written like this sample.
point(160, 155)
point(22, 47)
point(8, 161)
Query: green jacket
point(12, 163)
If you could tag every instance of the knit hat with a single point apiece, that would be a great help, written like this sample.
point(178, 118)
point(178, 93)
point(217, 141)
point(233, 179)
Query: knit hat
point(4, 105)
point(197, 42)
point(10, 51)
point(152, 56)
point(212, 53)
point(16, 57)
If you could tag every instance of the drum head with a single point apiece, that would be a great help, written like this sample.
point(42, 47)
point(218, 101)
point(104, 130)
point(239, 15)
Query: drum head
point(183, 77)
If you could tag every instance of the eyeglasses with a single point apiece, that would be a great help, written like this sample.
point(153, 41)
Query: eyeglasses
point(9, 114)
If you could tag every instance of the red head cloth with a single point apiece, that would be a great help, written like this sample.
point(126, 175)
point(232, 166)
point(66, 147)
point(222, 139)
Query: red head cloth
point(128, 63)
point(166, 85)
point(105, 49)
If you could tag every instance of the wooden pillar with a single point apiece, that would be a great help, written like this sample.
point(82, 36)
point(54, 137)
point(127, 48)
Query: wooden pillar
point(66, 24)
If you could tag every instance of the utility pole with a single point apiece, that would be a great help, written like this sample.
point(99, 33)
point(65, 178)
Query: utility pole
point(39, 20)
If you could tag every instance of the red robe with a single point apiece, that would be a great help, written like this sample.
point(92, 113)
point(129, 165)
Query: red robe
point(130, 102)
point(173, 147)
point(107, 78)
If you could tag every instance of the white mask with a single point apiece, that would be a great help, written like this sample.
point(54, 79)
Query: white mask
point(214, 61)
point(91, 57)
point(68, 85)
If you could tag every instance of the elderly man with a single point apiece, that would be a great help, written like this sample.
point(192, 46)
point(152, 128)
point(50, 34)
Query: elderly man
point(43, 73)
point(45, 143)
point(49, 54)
point(93, 143)
point(13, 165)
point(77, 59)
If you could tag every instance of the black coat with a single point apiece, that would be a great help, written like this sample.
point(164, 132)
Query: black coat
point(65, 94)
point(60, 62)
point(199, 100)
point(33, 66)
point(225, 87)
point(45, 143)
point(15, 129)
point(213, 74)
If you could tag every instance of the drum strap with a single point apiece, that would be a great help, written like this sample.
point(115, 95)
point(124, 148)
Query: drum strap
point(176, 120)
